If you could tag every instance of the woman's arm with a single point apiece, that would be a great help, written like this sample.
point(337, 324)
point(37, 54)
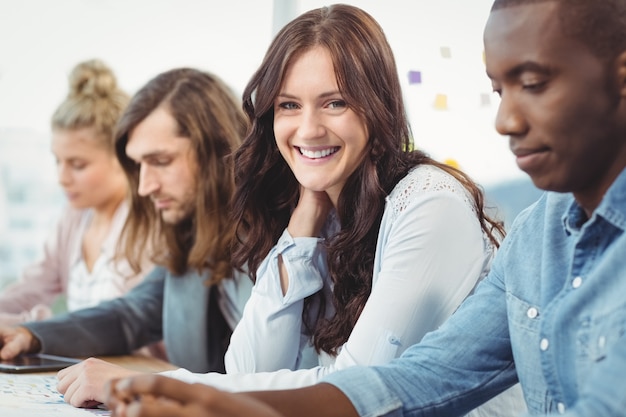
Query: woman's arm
point(430, 256)
point(153, 395)
point(42, 281)
point(268, 337)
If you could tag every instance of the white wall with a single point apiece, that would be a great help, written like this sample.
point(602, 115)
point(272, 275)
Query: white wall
point(41, 40)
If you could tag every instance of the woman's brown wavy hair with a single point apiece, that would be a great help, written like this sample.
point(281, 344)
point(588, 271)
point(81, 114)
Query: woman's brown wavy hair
point(267, 190)
point(210, 115)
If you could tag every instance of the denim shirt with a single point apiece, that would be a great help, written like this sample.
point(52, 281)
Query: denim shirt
point(551, 314)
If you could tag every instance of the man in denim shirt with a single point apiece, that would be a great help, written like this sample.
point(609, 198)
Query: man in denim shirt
point(552, 311)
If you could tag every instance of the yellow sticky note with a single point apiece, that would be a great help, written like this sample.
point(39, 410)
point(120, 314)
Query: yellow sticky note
point(452, 162)
point(441, 102)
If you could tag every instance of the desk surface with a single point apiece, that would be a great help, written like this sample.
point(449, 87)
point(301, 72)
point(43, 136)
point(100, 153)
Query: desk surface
point(35, 394)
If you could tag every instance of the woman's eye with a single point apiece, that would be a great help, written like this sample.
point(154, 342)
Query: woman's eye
point(288, 105)
point(337, 104)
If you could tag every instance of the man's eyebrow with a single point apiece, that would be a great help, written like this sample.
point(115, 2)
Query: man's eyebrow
point(153, 154)
point(527, 66)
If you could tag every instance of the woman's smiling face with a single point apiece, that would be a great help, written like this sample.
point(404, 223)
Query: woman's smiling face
point(320, 137)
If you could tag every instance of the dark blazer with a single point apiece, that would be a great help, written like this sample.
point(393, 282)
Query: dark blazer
point(193, 319)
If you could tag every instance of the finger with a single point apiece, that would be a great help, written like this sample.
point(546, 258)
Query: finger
point(12, 348)
point(66, 376)
point(78, 396)
point(148, 406)
point(68, 392)
point(111, 399)
point(73, 393)
point(161, 386)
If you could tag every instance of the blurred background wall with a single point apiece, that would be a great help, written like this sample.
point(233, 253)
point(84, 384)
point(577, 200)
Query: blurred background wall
point(438, 48)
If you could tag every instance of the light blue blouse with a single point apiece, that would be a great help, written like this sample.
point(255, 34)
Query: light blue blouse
point(430, 254)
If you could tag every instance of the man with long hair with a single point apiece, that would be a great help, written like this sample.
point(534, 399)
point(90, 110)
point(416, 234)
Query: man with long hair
point(174, 143)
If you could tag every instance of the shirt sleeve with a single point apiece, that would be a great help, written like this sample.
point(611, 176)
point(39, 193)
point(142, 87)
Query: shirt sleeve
point(454, 369)
point(40, 282)
point(432, 256)
point(114, 327)
point(269, 335)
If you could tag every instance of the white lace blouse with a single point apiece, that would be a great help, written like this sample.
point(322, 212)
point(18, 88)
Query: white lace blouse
point(430, 254)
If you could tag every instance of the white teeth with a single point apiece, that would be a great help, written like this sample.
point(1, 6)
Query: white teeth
point(318, 154)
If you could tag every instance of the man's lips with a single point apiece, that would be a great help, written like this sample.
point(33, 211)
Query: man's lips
point(162, 203)
point(522, 152)
point(530, 159)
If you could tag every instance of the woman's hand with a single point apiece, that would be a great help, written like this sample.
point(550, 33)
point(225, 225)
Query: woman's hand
point(155, 395)
point(310, 214)
point(83, 384)
point(306, 220)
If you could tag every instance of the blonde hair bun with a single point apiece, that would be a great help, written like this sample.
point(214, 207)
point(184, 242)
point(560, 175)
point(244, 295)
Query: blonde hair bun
point(92, 78)
point(93, 100)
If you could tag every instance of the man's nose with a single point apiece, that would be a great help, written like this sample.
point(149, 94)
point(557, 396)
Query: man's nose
point(510, 121)
point(148, 181)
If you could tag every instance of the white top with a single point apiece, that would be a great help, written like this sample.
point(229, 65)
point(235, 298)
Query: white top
point(104, 282)
point(430, 254)
point(53, 274)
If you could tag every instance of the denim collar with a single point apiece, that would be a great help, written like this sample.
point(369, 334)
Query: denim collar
point(612, 208)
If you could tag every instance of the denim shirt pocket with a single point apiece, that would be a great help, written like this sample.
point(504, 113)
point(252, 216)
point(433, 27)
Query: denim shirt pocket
point(524, 328)
point(596, 336)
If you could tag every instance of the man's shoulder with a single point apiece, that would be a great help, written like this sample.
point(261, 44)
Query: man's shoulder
point(549, 207)
point(540, 221)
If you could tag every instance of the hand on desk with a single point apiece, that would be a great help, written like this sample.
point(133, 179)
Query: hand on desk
point(155, 395)
point(16, 340)
point(83, 384)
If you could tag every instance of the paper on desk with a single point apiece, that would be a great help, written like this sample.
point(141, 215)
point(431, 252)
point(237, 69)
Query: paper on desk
point(27, 395)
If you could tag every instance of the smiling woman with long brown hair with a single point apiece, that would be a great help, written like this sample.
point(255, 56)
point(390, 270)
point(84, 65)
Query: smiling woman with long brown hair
point(359, 245)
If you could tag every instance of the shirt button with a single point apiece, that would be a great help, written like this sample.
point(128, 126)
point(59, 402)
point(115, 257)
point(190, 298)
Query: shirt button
point(577, 282)
point(393, 340)
point(532, 313)
point(561, 408)
point(601, 342)
point(543, 345)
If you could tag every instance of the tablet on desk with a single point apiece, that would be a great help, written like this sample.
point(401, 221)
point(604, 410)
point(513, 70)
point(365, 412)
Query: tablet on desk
point(36, 363)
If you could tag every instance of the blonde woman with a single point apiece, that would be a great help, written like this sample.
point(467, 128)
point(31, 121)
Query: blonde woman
point(78, 257)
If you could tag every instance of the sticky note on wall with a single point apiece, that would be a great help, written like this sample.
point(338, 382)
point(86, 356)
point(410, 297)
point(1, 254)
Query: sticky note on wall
point(445, 51)
point(452, 162)
point(441, 102)
point(485, 100)
point(415, 77)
